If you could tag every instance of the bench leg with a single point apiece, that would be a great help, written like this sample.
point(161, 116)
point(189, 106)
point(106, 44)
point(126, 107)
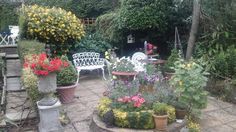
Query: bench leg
point(103, 74)
point(78, 76)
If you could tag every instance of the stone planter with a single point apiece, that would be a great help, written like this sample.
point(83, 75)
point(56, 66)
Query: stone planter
point(146, 88)
point(161, 122)
point(125, 76)
point(47, 86)
point(66, 93)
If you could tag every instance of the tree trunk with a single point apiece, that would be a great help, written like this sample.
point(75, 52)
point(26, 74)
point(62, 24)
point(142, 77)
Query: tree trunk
point(194, 28)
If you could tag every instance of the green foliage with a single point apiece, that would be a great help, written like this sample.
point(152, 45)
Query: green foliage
point(30, 82)
point(26, 47)
point(68, 75)
point(94, 8)
point(53, 26)
point(143, 14)
point(171, 60)
point(8, 15)
point(93, 43)
point(123, 89)
point(171, 114)
point(160, 108)
point(123, 65)
point(189, 80)
point(108, 26)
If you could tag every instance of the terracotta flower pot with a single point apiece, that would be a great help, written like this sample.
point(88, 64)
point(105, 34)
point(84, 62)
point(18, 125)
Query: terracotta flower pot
point(161, 122)
point(125, 76)
point(180, 114)
point(66, 93)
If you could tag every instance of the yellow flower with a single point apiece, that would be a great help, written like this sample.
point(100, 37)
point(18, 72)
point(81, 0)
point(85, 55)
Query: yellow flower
point(180, 83)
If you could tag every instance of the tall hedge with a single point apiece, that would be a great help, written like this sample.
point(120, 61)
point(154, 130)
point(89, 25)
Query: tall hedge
point(145, 14)
point(8, 15)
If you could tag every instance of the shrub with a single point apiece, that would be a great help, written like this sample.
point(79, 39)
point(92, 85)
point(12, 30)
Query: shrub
point(53, 26)
point(160, 108)
point(93, 43)
point(171, 60)
point(8, 14)
point(142, 14)
point(26, 47)
point(189, 81)
point(30, 82)
point(68, 75)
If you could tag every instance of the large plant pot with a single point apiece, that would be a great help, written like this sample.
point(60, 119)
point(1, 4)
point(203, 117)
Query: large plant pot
point(146, 88)
point(161, 122)
point(47, 86)
point(125, 76)
point(66, 93)
point(180, 113)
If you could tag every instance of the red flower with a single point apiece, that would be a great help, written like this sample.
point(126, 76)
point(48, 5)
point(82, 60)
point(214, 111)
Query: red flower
point(41, 65)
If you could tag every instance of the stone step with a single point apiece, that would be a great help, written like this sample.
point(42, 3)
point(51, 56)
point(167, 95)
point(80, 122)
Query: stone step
point(8, 49)
point(12, 56)
point(18, 107)
point(13, 68)
point(14, 84)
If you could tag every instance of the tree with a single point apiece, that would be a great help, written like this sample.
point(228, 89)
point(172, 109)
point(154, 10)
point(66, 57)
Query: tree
point(194, 28)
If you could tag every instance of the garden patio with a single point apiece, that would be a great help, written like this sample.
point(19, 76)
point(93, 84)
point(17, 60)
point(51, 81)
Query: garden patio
point(117, 65)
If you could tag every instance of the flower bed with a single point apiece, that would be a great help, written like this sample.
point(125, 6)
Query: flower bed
point(131, 119)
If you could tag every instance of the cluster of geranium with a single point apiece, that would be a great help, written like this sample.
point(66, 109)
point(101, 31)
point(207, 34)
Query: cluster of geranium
point(41, 65)
point(137, 100)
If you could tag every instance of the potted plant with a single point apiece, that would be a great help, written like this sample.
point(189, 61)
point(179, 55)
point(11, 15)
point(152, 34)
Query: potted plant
point(148, 78)
point(189, 81)
point(160, 116)
point(123, 69)
point(46, 70)
point(168, 67)
point(180, 109)
point(66, 82)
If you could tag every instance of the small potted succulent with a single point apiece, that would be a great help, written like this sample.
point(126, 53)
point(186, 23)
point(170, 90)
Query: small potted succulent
point(66, 82)
point(123, 69)
point(160, 116)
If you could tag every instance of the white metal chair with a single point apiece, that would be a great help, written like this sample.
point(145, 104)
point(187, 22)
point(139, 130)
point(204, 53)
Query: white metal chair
point(14, 30)
point(136, 60)
point(88, 61)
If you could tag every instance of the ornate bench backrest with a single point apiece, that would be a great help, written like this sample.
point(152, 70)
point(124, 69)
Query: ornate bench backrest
point(87, 59)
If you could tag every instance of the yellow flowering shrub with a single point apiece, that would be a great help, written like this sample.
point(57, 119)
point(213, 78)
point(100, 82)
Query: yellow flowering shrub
point(51, 25)
point(103, 106)
point(171, 114)
point(141, 119)
point(193, 127)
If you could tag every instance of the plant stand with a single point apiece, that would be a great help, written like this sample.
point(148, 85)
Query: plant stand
point(49, 118)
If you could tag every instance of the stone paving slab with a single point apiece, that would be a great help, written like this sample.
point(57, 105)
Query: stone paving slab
point(13, 84)
point(18, 106)
point(13, 68)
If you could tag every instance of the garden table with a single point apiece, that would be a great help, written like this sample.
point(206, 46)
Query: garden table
point(3, 37)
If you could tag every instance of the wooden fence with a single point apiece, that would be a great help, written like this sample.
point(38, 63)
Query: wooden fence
point(88, 21)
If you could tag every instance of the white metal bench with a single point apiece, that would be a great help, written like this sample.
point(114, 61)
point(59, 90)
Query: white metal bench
point(88, 61)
